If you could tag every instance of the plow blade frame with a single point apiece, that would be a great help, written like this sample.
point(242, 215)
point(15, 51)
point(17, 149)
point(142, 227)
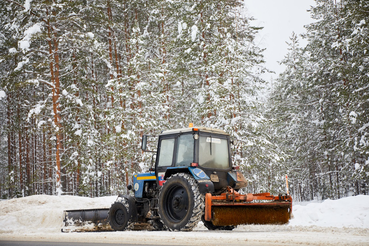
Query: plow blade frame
point(232, 208)
point(86, 220)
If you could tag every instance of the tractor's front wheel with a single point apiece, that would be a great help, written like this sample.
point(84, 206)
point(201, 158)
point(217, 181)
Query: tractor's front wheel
point(181, 204)
point(118, 216)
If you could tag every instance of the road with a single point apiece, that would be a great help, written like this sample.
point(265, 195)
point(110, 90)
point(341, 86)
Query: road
point(243, 235)
point(43, 243)
point(47, 243)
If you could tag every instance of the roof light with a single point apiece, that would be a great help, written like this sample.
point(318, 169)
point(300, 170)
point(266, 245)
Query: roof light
point(190, 125)
point(194, 164)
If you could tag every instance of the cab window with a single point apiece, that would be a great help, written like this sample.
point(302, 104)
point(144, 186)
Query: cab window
point(185, 150)
point(166, 152)
point(213, 152)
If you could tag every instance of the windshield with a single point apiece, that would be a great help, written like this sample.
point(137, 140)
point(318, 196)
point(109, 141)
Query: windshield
point(213, 152)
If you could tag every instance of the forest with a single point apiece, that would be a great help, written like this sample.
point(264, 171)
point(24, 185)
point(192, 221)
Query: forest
point(81, 82)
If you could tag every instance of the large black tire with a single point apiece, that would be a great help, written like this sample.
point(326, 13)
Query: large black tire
point(212, 227)
point(181, 205)
point(118, 216)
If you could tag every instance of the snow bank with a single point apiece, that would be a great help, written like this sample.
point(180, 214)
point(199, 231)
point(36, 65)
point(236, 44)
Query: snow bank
point(346, 212)
point(43, 213)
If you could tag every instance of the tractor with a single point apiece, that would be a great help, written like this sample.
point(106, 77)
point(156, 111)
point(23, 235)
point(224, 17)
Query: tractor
point(191, 179)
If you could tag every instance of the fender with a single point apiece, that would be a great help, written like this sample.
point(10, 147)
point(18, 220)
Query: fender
point(202, 179)
point(132, 209)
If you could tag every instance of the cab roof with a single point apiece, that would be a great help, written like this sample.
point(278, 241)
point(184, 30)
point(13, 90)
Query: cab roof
point(195, 129)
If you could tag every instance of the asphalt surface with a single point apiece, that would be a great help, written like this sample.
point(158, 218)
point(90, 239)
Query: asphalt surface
point(42, 243)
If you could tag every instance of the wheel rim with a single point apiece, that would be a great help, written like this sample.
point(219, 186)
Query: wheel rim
point(119, 217)
point(177, 203)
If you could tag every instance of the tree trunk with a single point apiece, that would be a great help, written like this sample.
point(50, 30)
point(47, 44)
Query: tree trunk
point(54, 71)
point(10, 146)
point(20, 149)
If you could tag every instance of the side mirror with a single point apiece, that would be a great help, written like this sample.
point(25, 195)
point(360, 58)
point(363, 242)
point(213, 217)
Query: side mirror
point(144, 146)
point(144, 143)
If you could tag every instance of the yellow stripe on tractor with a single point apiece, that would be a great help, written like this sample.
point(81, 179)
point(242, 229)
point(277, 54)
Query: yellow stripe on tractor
point(146, 178)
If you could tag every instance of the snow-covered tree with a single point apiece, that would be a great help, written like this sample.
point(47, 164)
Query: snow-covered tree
point(321, 103)
point(85, 79)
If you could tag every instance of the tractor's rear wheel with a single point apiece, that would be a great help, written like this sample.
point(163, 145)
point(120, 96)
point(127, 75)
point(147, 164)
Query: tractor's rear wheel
point(118, 216)
point(181, 204)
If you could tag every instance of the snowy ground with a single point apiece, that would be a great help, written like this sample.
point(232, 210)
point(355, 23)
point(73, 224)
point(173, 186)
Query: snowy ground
point(338, 222)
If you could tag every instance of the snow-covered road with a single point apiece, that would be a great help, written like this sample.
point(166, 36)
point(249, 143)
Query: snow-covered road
point(244, 235)
point(340, 222)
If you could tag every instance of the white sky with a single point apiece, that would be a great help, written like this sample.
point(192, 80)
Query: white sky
point(279, 19)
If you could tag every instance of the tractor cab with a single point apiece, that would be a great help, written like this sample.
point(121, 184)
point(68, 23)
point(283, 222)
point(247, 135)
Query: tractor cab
point(200, 151)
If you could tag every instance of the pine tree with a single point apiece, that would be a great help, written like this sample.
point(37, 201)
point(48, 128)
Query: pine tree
point(87, 79)
point(318, 99)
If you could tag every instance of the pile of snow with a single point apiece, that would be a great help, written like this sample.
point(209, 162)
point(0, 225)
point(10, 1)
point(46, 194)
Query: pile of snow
point(43, 213)
point(346, 212)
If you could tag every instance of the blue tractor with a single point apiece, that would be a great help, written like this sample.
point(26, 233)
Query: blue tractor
point(192, 180)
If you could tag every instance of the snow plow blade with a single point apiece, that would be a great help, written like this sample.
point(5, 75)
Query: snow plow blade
point(85, 220)
point(232, 208)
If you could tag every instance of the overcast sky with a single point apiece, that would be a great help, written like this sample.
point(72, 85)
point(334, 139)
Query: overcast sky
point(279, 19)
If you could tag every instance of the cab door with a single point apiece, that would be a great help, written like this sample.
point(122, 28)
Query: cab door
point(175, 150)
point(165, 156)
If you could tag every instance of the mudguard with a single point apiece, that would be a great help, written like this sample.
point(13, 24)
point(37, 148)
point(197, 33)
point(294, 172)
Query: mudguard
point(236, 180)
point(202, 179)
point(132, 208)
